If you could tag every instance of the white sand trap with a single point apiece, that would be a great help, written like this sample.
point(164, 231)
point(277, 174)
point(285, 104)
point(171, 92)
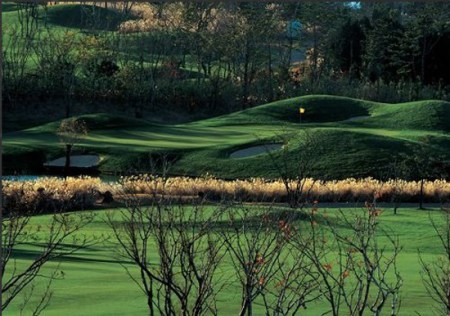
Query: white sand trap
point(356, 118)
point(81, 161)
point(255, 150)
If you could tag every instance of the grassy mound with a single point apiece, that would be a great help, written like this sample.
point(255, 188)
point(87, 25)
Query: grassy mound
point(419, 115)
point(319, 108)
point(102, 121)
point(342, 153)
point(348, 148)
point(9, 6)
point(98, 121)
point(422, 115)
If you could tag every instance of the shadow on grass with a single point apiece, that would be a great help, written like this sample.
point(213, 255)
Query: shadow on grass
point(84, 17)
point(8, 7)
point(273, 218)
point(261, 219)
point(29, 255)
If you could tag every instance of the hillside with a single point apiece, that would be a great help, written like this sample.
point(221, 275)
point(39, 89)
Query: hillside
point(357, 138)
point(419, 115)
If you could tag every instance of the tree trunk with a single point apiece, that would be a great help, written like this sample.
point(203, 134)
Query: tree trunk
point(247, 302)
point(422, 182)
point(67, 164)
point(351, 68)
point(423, 60)
point(315, 56)
point(245, 88)
point(68, 101)
point(271, 94)
point(150, 298)
point(396, 201)
point(138, 113)
point(67, 114)
point(184, 307)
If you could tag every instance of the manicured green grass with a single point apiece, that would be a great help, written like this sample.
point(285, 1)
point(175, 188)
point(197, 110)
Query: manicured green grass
point(8, 7)
point(349, 148)
point(84, 16)
point(95, 283)
point(80, 20)
point(419, 115)
point(318, 109)
point(69, 16)
point(424, 115)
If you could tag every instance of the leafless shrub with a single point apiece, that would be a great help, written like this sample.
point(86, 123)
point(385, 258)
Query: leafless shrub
point(436, 274)
point(295, 169)
point(18, 230)
point(182, 242)
point(356, 271)
point(255, 241)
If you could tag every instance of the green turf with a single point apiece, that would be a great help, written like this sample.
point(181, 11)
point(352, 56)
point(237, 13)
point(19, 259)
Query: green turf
point(59, 19)
point(9, 6)
point(349, 148)
point(352, 148)
point(419, 115)
point(423, 115)
point(84, 16)
point(318, 109)
point(95, 283)
point(70, 16)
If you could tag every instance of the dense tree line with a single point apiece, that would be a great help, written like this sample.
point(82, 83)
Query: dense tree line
point(216, 58)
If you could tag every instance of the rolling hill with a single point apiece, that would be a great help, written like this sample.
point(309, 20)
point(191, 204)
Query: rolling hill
point(357, 138)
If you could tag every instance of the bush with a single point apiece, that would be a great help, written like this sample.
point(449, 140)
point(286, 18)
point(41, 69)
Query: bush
point(50, 194)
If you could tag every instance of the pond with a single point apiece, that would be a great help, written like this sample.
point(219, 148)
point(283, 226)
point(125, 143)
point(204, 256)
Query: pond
point(104, 178)
point(21, 178)
point(76, 161)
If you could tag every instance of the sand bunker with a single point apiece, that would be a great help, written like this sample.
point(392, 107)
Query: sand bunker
point(255, 150)
point(81, 161)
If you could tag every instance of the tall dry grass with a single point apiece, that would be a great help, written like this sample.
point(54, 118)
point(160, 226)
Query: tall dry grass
point(50, 192)
point(260, 189)
point(257, 189)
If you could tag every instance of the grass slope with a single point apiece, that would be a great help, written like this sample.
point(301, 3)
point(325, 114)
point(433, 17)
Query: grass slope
point(95, 282)
point(84, 16)
point(94, 122)
point(419, 115)
point(350, 148)
point(69, 16)
point(320, 108)
point(344, 154)
point(9, 7)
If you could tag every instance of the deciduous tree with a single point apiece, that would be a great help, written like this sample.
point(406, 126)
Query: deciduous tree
point(70, 132)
